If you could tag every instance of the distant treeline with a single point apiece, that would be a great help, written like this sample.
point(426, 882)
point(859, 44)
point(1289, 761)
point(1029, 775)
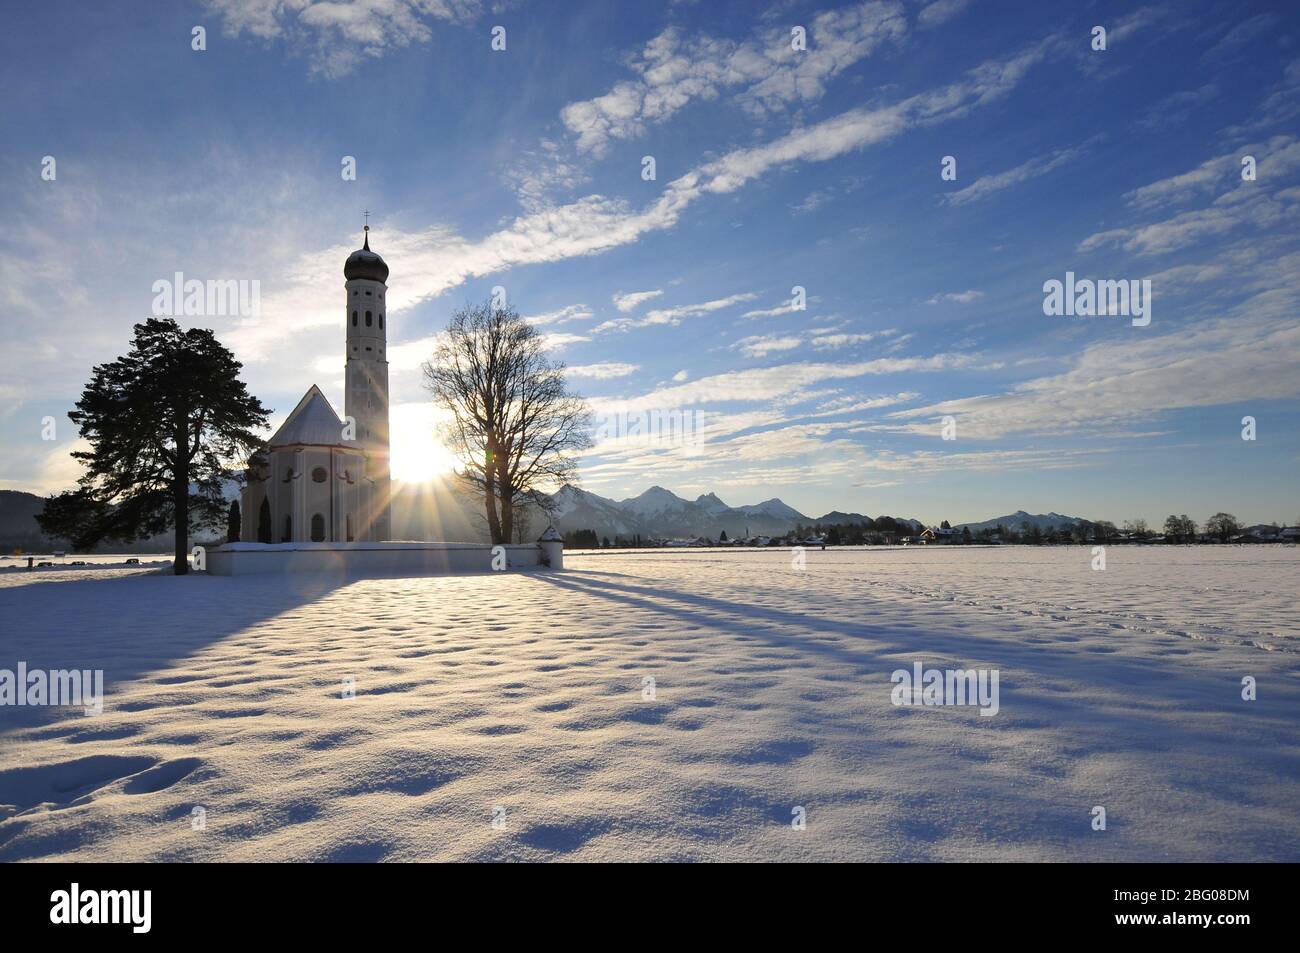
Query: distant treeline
point(1221, 527)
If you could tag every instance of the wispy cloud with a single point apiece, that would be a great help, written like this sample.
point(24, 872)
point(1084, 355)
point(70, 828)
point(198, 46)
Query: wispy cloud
point(827, 195)
point(787, 308)
point(1251, 355)
point(854, 404)
point(1137, 21)
point(940, 12)
point(956, 297)
point(1262, 204)
point(605, 370)
point(572, 312)
point(835, 340)
point(336, 35)
point(1176, 108)
point(773, 383)
point(987, 185)
point(763, 73)
point(763, 345)
point(811, 202)
point(557, 341)
point(628, 301)
point(674, 315)
point(1241, 35)
point(859, 128)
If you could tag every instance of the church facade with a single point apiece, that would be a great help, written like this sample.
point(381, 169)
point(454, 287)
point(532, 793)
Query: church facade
point(323, 479)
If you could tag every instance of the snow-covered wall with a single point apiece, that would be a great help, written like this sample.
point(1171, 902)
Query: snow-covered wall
point(239, 559)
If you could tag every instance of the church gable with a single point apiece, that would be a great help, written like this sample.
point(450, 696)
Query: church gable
point(312, 423)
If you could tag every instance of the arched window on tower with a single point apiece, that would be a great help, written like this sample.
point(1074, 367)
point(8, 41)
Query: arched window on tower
point(381, 320)
point(369, 322)
point(317, 528)
point(354, 319)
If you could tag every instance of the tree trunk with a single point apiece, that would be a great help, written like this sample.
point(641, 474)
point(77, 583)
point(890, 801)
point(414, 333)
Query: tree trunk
point(181, 501)
point(506, 497)
point(490, 499)
point(507, 516)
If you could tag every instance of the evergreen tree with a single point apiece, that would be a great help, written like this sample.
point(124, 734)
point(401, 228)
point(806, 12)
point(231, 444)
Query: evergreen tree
point(167, 425)
point(264, 522)
point(581, 539)
point(232, 523)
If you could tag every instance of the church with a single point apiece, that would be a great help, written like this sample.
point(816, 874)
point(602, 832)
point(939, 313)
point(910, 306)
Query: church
point(322, 479)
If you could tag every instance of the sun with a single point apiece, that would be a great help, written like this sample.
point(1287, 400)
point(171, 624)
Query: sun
point(417, 456)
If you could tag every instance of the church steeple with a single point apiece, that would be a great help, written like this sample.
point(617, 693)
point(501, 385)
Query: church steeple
point(366, 379)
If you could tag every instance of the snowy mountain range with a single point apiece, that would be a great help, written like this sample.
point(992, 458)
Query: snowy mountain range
point(422, 512)
point(1013, 521)
point(660, 512)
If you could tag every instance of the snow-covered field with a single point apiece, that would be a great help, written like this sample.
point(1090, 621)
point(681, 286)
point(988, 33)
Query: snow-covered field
point(521, 697)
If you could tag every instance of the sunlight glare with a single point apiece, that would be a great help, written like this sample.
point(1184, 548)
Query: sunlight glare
point(417, 454)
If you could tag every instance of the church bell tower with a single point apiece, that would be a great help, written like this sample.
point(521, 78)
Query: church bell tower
point(366, 376)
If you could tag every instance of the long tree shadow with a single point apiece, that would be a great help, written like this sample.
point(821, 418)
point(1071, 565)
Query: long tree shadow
point(116, 624)
point(1128, 694)
point(1201, 747)
point(112, 623)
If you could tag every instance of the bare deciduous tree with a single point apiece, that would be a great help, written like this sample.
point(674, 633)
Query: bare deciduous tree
point(1223, 525)
point(514, 425)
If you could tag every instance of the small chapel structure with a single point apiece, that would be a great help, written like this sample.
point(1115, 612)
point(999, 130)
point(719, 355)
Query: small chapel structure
point(322, 479)
point(318, 498)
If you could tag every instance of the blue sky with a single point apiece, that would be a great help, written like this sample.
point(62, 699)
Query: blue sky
point(775, 168)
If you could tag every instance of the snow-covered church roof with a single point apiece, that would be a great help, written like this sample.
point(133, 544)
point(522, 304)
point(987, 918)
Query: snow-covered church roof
point(313, 422)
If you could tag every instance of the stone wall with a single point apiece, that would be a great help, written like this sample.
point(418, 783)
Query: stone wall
point(406, 559)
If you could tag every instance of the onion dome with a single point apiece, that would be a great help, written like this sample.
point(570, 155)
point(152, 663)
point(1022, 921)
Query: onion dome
point(363, 263)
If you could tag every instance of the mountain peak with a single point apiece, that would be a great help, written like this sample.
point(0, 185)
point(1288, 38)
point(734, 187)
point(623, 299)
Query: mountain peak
point(1014, 521)
point(655, 499)
point(711, 502)
point(773, 507)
